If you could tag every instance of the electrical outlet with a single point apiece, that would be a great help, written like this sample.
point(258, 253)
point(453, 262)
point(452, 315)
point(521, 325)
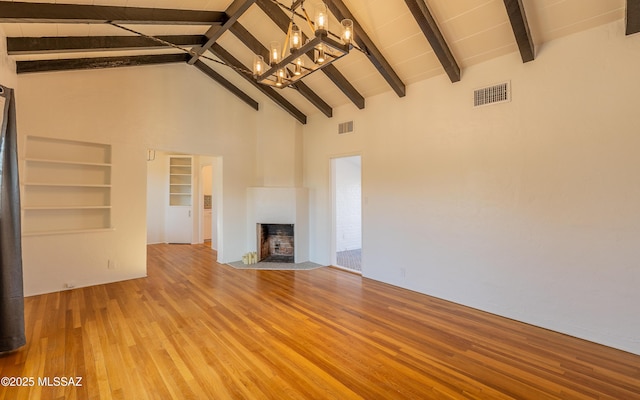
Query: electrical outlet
point(111, 264)
point(403, 273)
point(70, 285)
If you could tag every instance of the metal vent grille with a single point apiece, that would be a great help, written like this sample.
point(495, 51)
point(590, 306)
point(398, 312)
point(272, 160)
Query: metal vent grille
point(345, 127)
point(499, 93)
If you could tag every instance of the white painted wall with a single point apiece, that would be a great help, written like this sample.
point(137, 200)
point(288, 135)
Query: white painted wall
point(207, 180)
point(279, 153)
point(529, 209)
point(173, 108)
point(348, 192)
point(157, 197)
point(216, 205)
point(8, 76)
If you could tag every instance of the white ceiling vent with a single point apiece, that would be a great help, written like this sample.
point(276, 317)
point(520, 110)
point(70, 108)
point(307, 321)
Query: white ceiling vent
point(345, 127)
point(500, 93)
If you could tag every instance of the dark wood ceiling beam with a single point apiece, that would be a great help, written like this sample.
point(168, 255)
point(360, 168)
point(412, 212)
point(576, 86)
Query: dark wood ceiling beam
point(74, 13)
point(431, 31)
point(34, 45)
point(277, 15)
point(340, 10)
point(228, 59)
point(633, 17)
point(520, 26)
point(258, 48)
point(233, 12)
point(313, 98)
point(344, 85)
point(24, 67)
point(226, 84)
point(280, 18)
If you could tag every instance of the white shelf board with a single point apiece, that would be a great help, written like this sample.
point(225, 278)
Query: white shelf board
point(65, 185)
point(70, 231)
point(51, 161)
point(66, 208)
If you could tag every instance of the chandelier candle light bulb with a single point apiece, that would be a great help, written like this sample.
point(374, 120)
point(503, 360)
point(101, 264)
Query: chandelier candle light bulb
point(347, 31)
point(322, 18)
point(298, 68)
point(258, 65)
point(280, 77)
point(296, 38)
point(274, 53)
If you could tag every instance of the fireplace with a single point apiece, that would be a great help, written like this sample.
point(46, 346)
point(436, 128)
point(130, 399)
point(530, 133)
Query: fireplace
point(275, 243)
point(287, 210)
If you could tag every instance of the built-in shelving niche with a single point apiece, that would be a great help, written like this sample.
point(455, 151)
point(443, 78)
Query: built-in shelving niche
point(67, 186)
point(180, 181)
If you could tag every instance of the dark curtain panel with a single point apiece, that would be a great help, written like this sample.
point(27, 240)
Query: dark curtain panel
point(11, 290)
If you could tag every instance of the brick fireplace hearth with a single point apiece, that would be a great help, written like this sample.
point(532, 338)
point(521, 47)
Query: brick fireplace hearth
point(276, 242)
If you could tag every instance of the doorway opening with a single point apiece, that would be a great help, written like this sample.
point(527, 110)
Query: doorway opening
point(183, 195)
point(209, 217)
point(347, 212)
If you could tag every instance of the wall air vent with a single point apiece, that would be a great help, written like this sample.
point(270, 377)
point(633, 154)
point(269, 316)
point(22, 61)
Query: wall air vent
point(500, 93)
point(345, 127)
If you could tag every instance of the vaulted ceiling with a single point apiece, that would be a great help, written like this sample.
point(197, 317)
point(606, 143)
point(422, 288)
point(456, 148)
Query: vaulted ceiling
point(401, 41)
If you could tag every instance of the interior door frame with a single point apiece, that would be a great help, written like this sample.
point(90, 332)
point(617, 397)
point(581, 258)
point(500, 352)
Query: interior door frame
point(334, 224)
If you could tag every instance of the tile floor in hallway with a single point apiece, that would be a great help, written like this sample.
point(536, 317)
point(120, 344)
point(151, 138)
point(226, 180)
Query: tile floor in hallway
point(350, 259)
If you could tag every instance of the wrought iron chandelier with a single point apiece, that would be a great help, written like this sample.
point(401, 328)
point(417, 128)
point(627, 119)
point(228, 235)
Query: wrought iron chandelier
point(293, 60)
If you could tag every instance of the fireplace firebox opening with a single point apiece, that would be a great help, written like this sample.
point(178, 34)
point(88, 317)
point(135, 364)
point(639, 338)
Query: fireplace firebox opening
point(275, 243)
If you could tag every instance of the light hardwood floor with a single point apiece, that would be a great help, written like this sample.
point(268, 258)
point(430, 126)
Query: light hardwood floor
point(195, 329)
